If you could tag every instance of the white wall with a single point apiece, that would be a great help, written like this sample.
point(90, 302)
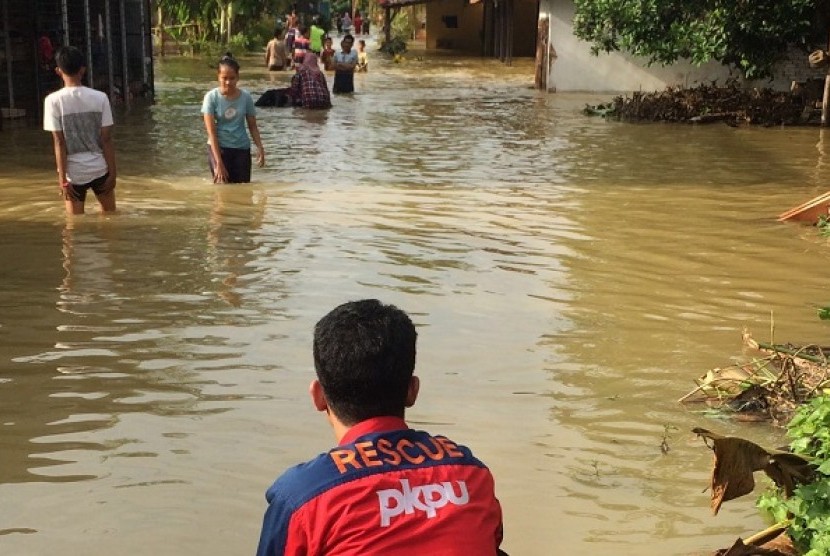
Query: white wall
point(576, 69)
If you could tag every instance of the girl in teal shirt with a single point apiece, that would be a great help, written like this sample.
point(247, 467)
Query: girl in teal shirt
point(227, 110)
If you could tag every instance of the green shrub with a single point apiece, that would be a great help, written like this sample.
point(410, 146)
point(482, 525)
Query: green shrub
point(239, 43)
point(823, 225)
point(808, 509)
point(259, 34)
point(394, 46)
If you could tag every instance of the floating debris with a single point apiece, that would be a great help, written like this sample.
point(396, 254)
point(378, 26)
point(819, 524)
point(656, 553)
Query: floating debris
point(767, 388)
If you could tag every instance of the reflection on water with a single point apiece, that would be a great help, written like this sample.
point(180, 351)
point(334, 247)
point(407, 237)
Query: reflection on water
point(569, 277)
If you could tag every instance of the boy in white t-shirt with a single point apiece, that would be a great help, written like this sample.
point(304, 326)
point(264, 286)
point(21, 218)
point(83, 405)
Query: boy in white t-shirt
point(80, 120)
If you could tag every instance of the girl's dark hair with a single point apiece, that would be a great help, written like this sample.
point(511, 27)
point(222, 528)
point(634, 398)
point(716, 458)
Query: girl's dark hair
point(229, 61)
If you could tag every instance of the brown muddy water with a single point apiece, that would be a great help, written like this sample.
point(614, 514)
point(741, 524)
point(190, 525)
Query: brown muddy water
point(569, 277)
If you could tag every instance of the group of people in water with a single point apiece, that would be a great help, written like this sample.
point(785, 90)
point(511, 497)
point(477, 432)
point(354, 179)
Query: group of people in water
point(312, 42)
point(80, 118)
point(227, 110)
point(385, 488)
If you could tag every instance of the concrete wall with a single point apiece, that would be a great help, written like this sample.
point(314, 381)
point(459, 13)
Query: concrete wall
point(576, 69)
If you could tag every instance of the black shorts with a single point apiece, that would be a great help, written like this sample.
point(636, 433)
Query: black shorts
point(343, 82)
point(276, 67)
point(77, 192)
point(237, 163)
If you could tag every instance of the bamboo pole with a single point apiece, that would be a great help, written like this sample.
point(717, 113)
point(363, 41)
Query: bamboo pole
point(65, 22)
point(488, 29)
point(125, 78)
point(160, 31)
point(541, 42)
point(108, 37)
point(8, 46)
point(510, 23)
point(387, 23)
point(146, 45)
point(768, 534)
point(498, 26)
point(90, 70)
point(825, 101)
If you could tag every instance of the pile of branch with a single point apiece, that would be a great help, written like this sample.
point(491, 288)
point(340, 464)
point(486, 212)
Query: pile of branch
point(771, 387)
point(729, 103)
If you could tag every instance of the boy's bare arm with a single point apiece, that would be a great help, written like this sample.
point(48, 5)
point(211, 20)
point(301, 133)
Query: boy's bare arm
point(59, 143)
point(108, 148)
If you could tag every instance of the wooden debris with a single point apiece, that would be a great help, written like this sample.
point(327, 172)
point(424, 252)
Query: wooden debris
point(809, 211)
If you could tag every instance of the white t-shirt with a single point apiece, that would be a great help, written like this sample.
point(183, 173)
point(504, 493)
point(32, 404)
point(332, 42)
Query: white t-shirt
point(80, 112)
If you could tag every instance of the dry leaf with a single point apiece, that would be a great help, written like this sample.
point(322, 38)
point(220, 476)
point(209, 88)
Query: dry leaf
point(741, 549)
point(735, 461)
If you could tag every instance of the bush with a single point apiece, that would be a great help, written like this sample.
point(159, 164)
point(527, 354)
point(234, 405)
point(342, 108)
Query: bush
point(808, 509)
point(395, 46)
point(239, 42)
point(259, 34)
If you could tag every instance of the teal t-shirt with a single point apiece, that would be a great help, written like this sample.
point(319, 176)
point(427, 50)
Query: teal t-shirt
point(229, 115)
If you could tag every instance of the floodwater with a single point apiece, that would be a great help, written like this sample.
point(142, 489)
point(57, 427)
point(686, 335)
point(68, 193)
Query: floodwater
point(569, 277)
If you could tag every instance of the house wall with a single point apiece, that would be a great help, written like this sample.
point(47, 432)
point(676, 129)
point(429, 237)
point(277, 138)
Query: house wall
point(468, 36)
point(575, 69)
point(525, 16)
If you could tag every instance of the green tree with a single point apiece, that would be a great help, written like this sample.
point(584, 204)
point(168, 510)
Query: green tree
point(217, 20)
point(749, 35)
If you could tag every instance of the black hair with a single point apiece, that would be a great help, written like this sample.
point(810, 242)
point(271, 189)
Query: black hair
point(349, 37)
point(70, 60)
point(364, 355)
point(229, 61)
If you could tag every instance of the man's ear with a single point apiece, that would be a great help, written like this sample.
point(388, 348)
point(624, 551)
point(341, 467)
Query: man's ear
point(412, 391)
point(317, 396)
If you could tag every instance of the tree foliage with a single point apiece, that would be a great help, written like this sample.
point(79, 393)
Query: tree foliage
point(749, 35)
point(214, 20)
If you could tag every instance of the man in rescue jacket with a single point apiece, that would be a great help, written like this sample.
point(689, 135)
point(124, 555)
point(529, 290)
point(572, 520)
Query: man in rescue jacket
point(386, 489)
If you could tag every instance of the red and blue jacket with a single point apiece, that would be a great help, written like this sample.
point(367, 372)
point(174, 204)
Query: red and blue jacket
point(386, 489)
